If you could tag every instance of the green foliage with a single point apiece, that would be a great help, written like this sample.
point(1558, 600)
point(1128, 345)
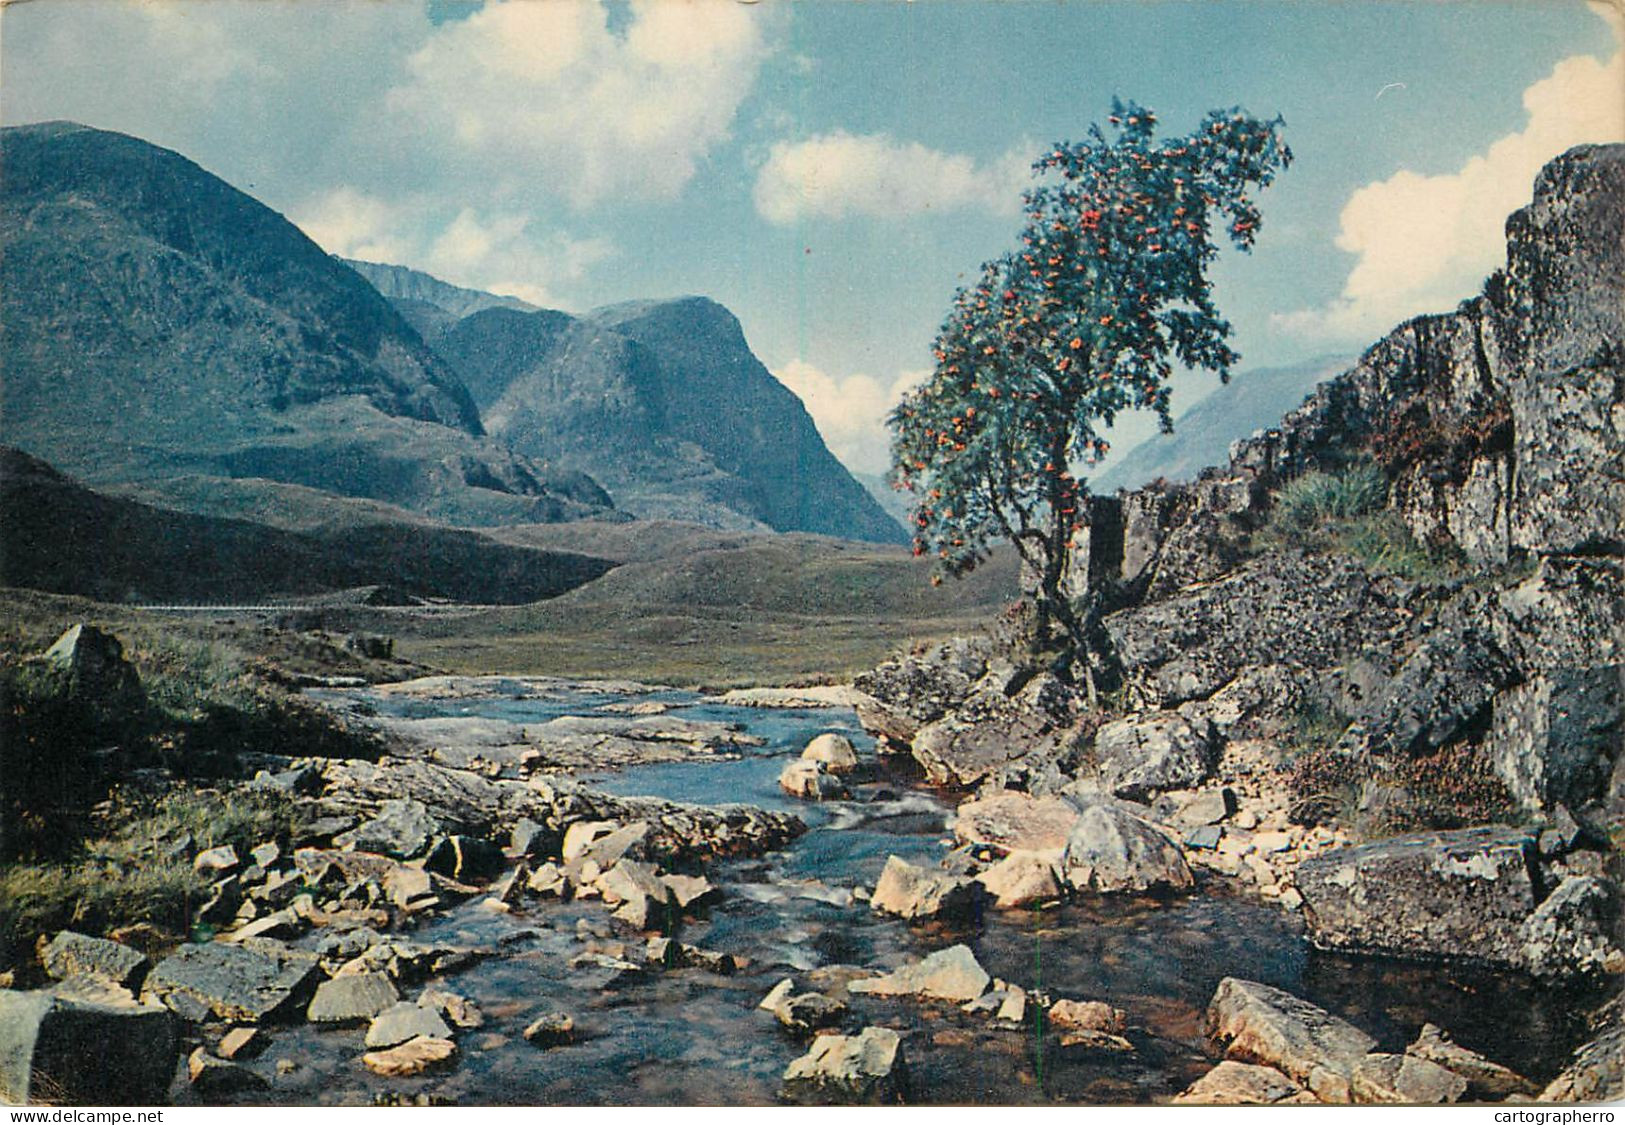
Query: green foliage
point(1318, 498)
point(1088, 318)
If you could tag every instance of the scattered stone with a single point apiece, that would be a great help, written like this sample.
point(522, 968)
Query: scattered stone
point(352, 998)
point(949, 974)
point(777, 995)
point(1013, 1007)
point(403, 829)
point(1238, 1083)
point(1113, 849)
point(532, 841)
point(1207, 808)
point(1143, 755)
point(403, 1021)
point(1205, 838)
point(690, 890)
point(867, 1067)
point(832, 751)
point(216, 861)
point(71, 954)
point(581, 834)
point(241, 1042)
point(1022, 878)
point(214, 1077)
point(410, 888)
point(549, 879)
point(464, 858)
point(418, 1056)
point(459, 1011)
point(1086, 1015)
point(1486, 1080)
point(1311, 1046)
point(1570, 935)
point(810, 781)
point(642, 900)
point(1383, 1079)
point(234, 982)
point(84, 1043)
point(915, 893)
point(551, 1029)
point(281, 924)
point(807, 1012)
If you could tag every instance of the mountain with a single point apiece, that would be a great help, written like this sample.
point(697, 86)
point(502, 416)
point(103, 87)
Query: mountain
point(429, 304)
point(1251, 401)
point(156, 322)
point(664, 403)
point(68, 539)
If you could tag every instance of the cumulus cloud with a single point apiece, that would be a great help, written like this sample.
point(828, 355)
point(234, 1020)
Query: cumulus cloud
point(1425, 243)
point(498, 251)
point(839, 174)
point(545, 99)
point(850, 411)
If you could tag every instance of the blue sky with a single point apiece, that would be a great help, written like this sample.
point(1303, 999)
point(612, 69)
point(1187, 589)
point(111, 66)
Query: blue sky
point(830, 170)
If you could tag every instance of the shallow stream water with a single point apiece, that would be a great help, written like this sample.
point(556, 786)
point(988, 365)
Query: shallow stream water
point(686, 1036)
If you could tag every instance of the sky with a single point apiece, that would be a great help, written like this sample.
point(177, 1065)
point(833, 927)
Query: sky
point(830, 170)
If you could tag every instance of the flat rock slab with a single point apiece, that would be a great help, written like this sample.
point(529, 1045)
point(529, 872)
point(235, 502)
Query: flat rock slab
point(71, 954)
point(405, 1021)
point(234, 982)
point(1308, 1044)
point(418, 1056)
point(352, 998)
point(85, 1044)
point(1461, 895)
point(949, 974)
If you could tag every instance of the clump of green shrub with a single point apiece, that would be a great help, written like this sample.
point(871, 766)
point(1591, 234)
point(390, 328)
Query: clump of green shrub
point(1318, 498)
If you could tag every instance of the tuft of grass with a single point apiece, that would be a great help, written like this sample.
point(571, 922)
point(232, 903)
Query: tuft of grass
point(1317, 498)
point(140, 871)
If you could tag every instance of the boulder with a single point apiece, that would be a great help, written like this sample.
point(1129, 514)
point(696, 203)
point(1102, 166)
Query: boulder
point(807, 1012)
point(403, 1021)
point(96, 673)
point(1571, 934)
point(464, 858)
point(550, 1029)
point(1462, 894)
point(965, 747)
point(1143, 755)
point(642, 900)
point(457, 1010)
point(1554, 738)
point(417, 1056)
point(241, 1042)
point(917, 893)
point(1089, 1023)
point(403, 828)
point(216, 861)
point(215, 1078)
point(1113, 849)
point(690, 890)
point(832, 751)
point(85, 1043)
point(608, 848)
point(1022, 879)
point(1207, 809)
point(71, 954)
point(867, 1067)
point(1486, 1080)
point(1261, 1024)
point(900, 696)
point(581, 834)
point(949, 974)
point(810, 781)
point(530, 840)
point(1384, 1079)
point(245, 983)
point(1012, 821)
point(1238, 1083)
point(352, 998)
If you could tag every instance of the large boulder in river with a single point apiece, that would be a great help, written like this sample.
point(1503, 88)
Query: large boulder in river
point(1143, 755)
point(916, 893)
point(867, 1068)
point(1112, 848)
point(811, 781)
point(1466, 895)
point(84, 1043)
point(1258, 1023)
point(832, 751)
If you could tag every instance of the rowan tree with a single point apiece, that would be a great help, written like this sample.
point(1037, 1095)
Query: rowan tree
point(1086, 318)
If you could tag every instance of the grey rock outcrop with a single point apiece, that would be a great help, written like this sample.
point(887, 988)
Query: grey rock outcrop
point(233, 982)
point(1114, 849)
point(1143, 755)
point(85, 1043)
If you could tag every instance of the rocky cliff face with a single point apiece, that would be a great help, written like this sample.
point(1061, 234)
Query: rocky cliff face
point(1400, 610)
point(663, 402)
point(157, 321)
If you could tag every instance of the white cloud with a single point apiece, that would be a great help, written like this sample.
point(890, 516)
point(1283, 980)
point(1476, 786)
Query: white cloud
point(542, 100)
point(850, 411)
point(498, 251)
point(839, 174)
point(1427, 242)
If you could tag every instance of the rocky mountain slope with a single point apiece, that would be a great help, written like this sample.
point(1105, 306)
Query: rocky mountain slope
point(156, 321)
point(1370, 669)
point(664, 403)
point(66, 539)
point(1251, 401)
